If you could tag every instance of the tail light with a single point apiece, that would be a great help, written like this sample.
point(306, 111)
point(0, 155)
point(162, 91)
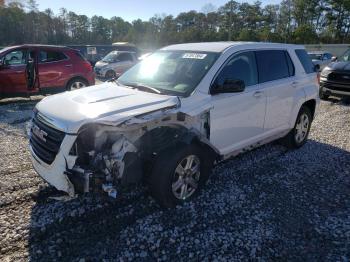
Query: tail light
point(87, 65)
point(318, 76)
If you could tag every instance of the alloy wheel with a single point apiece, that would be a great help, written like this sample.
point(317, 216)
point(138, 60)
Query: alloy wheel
point(77, 85)
point(186, 177)
point(302, 128)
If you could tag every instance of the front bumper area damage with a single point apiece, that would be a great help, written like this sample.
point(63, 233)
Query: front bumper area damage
point(105, 155)
point(54, 173)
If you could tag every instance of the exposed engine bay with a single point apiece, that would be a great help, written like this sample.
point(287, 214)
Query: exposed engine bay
point(109, 156)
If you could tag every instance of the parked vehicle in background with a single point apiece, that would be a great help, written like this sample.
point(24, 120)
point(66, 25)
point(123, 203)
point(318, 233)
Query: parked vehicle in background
point(335, 78)
point(94, 53)
point(115, 64)
point(169, 118)
point(320, 59)
point(31, 69)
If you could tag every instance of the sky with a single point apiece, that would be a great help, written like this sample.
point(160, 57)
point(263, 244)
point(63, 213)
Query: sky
point(133, 9)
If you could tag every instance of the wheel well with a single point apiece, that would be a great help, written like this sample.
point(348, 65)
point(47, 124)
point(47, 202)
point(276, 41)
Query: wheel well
point(311, 105)
point(76, 78)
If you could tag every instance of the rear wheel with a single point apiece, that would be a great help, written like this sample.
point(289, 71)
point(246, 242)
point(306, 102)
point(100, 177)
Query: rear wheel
point(299, 134)
point(76, 83)
point(178, 175)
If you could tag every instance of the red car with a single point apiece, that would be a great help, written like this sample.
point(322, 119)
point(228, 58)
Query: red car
point(32, 69)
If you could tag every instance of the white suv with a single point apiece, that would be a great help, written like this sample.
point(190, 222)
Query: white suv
point(168, 119)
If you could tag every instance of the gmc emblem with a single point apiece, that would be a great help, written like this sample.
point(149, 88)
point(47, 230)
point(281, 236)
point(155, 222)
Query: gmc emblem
point(39, 133)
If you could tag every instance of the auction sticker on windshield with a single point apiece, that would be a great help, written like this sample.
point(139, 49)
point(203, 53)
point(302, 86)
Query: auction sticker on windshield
point(194, 56)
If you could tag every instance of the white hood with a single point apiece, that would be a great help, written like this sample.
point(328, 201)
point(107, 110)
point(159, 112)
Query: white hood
point(107, 102)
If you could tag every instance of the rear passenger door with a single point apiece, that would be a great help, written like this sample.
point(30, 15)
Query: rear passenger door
point(54, 69)
point(277, 79)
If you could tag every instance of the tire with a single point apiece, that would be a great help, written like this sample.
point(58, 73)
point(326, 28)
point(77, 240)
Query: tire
point(76, 83)
point(110, 74)
point(168, 186)
point(299, 134)
point(322, 95)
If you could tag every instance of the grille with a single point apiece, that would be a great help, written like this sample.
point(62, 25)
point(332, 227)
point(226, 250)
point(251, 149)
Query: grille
point(45, 140)
point(339, 77)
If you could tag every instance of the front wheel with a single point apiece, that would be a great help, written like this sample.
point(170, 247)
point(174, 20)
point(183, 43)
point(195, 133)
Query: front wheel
point(299, 134)
point(179, 174)
point(110, 74)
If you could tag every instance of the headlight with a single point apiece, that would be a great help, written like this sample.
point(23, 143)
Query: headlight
point(325, 72)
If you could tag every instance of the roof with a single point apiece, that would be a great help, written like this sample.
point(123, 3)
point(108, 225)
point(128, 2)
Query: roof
point(34, 45)
point(317, 52)
point(220, 46)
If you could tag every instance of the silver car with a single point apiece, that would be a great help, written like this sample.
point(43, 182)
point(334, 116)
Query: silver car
point(115, 64)
point(320, 59)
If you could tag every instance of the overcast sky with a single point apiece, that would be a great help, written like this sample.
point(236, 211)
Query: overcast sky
point(133, 9)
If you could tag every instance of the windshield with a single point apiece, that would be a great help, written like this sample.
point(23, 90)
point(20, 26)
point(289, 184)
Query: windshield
point(345, 57)
point(315, 56)
point(170, 72)
point(111, 57)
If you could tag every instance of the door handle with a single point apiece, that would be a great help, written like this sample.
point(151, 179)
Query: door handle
point(258, 94)
point(294, 84)
point(68, 65)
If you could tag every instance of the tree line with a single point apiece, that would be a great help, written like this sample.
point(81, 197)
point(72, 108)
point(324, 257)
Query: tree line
point(291, 21)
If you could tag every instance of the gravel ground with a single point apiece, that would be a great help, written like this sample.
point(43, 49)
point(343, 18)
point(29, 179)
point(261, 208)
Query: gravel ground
point(269, 204)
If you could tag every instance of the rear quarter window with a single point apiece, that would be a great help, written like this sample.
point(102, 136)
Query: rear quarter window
point(80, 55)
point(305, 61)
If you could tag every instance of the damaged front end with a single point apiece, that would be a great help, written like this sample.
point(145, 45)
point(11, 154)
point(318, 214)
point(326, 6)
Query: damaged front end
point(105, 155)
point(109, 156)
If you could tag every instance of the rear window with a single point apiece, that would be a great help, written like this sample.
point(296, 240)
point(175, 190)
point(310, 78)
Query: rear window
point(80, 55)
point(273, 65)
point(47, 56)
point(305, 61)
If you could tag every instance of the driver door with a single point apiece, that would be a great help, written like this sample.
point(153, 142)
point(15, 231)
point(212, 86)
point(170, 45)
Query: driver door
point(13, 73)
point(237, 119)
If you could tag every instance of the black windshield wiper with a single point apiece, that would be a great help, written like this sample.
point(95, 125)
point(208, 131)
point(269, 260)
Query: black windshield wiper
point(141, 86)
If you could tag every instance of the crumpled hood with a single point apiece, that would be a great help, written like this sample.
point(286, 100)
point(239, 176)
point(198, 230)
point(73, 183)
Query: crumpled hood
point(107, 102)
point(339, 66)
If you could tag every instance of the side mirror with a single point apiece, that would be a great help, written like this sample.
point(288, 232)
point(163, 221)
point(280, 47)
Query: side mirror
point(229, 86)
point(334, 58)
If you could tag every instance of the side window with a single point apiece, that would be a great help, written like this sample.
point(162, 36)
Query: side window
point(17, 57)
point(240, 67)
point(272, 65)
point(305, 61)
point(125, 57)
point(328, 56)
point(46, 56)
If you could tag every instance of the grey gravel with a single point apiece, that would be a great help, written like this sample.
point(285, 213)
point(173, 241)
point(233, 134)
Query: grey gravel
point(269, 204)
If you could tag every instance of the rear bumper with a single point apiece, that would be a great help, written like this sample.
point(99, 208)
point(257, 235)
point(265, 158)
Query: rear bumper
point(91, 78)
point(55, 173)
